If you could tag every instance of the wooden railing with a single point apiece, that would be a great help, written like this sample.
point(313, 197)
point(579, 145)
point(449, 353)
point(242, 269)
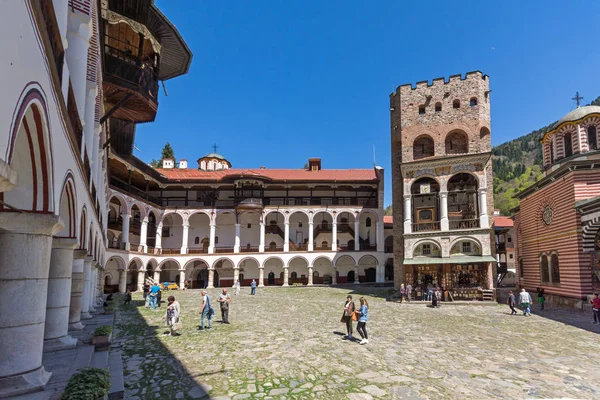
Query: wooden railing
point(368, 247)
point(171, 251)
point(197, 251)
point(224, 249)
point(141, 78)
point(273, 249)
point(464, 224)
point(426, 226)
point(251, 249)
point(58, 52)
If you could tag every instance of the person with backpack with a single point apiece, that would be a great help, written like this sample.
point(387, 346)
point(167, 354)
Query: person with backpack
point(206, 311)
point(347, 317)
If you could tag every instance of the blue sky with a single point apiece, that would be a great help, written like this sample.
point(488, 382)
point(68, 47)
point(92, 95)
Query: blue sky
point(276, 82)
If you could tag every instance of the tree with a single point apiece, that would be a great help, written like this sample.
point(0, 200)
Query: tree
point(167, 152)
point(388, 210)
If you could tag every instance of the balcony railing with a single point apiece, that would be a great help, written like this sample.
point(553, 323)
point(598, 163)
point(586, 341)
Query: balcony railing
point(323, 248)
point(141, 78)
point(273, 249)
point(251, 249)
point(171, 251)
point(224, 249)
point(464, 224)
point(368, 247)
point(426, 226)
point(197, 251)
point(58, 52)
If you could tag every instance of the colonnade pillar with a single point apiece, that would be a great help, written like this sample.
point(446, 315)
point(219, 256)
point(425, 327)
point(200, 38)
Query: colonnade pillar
point(444, 222)
point(236, 276)
point(261, 246)
point(379, 229)
point(140, 281)
point(25, 245)
point(261, 276)
point(181, 279)
point(356, 277)
point(483, 215)
point(125, 232)
point(334, 276)
point(79, 31)
point(211, 279)
point(76, 290)
point(286, 276)
point(236, 245)
point(310, 276)
point(211, 246)
point(407, 213)
point(357, 233)
point(286, 240)
point(184, 240)
point(156, 277)
point(91, 90)
point(379, 277)
point(334, 236)
point(122, 281)
point(92, 287)
point(85, 298)
point(158, 241)
point(144, 235)
point(310, 236)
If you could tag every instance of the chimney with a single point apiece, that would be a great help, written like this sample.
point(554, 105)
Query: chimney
point(263, 167)
point(314, 164)
point(183, 163)
point(168, 163)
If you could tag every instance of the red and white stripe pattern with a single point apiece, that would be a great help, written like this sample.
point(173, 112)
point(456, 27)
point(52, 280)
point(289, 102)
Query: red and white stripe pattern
point(83, 6)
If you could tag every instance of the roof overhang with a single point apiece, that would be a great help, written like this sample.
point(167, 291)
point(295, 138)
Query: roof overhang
point(480, 160)
point(448, 260)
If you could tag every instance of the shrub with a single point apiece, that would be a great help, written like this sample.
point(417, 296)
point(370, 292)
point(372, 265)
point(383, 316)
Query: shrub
point(88, 383)
point(104, 330)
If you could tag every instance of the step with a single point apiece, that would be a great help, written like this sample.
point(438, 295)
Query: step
point(117, 382)
point(83, 358)
point(100, 359)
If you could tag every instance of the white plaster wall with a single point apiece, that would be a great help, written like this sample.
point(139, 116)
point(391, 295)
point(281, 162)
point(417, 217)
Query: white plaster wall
point(199, 227)
point(249, 235)
point(226, 230)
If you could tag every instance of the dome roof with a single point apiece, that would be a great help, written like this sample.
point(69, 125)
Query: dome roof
point(577, 114)
point(220, 157)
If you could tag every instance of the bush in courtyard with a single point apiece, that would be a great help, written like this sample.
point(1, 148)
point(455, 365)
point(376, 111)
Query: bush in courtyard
point(88, 383)
point(104, 330)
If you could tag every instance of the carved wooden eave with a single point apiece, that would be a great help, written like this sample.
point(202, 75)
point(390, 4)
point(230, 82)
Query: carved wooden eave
point(446, 165)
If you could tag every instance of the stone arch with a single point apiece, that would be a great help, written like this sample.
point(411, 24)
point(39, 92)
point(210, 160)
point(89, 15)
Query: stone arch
point(67, 208)
point(457, 142)
point(165, 261)
point(423, 146)
point(141, 207)
point(120, 263)
point(484, 132)
point(477, 249)
point(137, 264)
point(121, 200)
point(83, 228)
point(590, 231)
point(417, 249)
point(222, 260)
point(389, 244)
point(29, 154)
point(247, 259)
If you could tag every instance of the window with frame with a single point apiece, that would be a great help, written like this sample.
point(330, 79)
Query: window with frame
point(510, 256)
point(544, 269)
point(555, 269)
point(509, 239)
point(197, 240)
point(456, 104)
point(521, 273)
point(438, 107)
point(473, 102)
point(592, 139)
point(466, 247)
point(426, 249)
point(368, 222)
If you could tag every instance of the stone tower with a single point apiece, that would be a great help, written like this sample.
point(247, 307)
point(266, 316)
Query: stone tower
point(441, 177)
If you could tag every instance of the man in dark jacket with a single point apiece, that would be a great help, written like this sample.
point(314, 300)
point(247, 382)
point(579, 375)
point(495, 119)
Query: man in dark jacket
point(511, 303)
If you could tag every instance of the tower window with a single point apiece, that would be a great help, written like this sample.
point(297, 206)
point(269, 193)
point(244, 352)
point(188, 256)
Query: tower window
point(249, 225)
point(426, 249)
point(592, 138)
point(197, 240)
point(421, 110)
point(438, 107)
point(466, 247)
point(368, 222)
point(473, 102)
point(456, 104)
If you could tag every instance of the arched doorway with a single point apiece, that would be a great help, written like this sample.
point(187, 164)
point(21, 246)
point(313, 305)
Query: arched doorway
point(350, 277)
point(271, 278)
point(202, 279)
point(371, 274)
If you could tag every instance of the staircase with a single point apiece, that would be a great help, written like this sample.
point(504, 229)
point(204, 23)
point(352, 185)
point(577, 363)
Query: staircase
point(488, 295)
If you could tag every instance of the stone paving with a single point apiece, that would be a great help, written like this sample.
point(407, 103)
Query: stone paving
point(286, 343)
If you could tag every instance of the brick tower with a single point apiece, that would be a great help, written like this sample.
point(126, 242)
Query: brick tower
point(442, 184)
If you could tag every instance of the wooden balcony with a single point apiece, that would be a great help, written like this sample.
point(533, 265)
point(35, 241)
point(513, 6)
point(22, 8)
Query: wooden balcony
point(248, 204)
point(171, 251)
point(223, 249)
point(249, 249)
point(137, 10)
point(426, 226)
point(464, 224)
point(273, 249)
point(197, 250)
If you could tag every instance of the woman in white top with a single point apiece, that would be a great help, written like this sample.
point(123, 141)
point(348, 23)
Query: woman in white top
point(172, 314)
point(237, 288)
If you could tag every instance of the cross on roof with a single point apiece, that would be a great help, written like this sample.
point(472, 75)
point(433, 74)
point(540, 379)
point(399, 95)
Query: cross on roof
point(214, 146)
point(577, 99)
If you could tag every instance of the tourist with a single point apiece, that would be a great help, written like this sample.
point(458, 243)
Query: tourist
point(596, 309)
point(541, 299)
point(435, 298)
point(429, 291)
point(347, 317)
point(525, 302)
point(224, 299)
point(423, 291)
point(206, 311)
point(253, 286)
point(172, 315)
point(511, 303)
point(153, 295)
point(362, 320)
point(237, 287)
point(438, 295)
point(409, 289)
point(127, 297)
point(402, 293)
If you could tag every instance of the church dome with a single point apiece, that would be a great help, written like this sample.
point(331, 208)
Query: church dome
point(577, 114)
point(214, 155)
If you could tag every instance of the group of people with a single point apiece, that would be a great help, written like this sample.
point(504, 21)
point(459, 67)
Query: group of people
point(361, 316)
point(152, 296)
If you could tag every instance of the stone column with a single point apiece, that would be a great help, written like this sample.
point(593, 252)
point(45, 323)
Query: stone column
point(144, 235)
point(261, 276)
point(140, 281)
point(156, 276)
point(122, 281)
point(211, 246)
point(356, 277)
point(91, 90)
point(444, 222)
point(310, 236)
point(490, 276)
point(357, 234)
point(334, 277)
point(334, 246)
point(310, 276)
point(92, 298)
point(184, 240)
point(286, 240)
point(76, 290)
point(79, 31)
point(158, 242)
point(25, 246)
point(85, 298)
point(125, 232)
point(379, 276)
point(407, 213)
point(236, 245)
point(286, 276)
point(261, 246)
point(483, 216)
point(236, 276)
point(211, 279)
point(181, 278)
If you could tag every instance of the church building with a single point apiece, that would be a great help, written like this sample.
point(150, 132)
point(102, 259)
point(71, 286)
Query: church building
point(558, 219)
point(442, 186)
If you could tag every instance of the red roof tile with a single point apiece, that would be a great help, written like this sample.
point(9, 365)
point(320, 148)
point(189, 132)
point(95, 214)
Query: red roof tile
point(388, 219)
point(503, 221)
point(329, 175)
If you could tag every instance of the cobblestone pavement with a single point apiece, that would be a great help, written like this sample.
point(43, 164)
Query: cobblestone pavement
point(287, 343)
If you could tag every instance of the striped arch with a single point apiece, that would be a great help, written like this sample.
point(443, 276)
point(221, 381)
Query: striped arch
point(590, 230)
point(68, 207)
point(29, 153)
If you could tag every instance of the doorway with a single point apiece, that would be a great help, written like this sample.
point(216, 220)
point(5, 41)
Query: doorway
point(271, 278)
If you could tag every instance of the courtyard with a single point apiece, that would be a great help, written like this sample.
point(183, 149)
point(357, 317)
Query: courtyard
point(287, 343)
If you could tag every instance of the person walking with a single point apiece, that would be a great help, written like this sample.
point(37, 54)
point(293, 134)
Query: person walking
point(224, 299)
point(362, 321)
point(253, 286)
point(409, 289)
point(596, 309)
point(349, 309)
point(540, 297)
point(402, 293)
point(206, 311)
point(172, 314)
point(127, 297)
point(511, 303)
point(154, 292)
point(237, 287)
point(525, 302)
